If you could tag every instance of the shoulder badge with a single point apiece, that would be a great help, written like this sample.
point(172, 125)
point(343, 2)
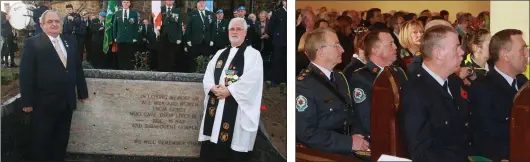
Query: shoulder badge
point(359, 69)
point(302, 74)
point(358, 95)
point(301, 103)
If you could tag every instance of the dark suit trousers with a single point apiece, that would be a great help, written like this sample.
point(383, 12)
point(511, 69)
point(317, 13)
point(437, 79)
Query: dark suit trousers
point(166, 57)
point(50, 134)
point(125, 56)
point(202, 49)
point(80, 44)
point(96, 55)
point(279, 65)
point(211, 153)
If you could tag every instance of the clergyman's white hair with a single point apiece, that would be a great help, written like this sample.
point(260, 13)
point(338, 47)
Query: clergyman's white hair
point(238, 19)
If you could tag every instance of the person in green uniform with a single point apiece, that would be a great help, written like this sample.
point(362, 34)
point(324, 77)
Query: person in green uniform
point(219, 31)
point(476, 45)
point(126, 31)
point(380, 49)
point(198, 33)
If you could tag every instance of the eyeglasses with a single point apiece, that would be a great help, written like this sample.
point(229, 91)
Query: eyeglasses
point(236, 29)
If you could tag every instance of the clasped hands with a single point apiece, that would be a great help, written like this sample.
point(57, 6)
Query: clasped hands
point(221, 91)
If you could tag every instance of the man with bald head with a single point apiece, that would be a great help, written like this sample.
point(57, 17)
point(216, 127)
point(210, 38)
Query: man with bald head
point(51, 78)
point(433, 113)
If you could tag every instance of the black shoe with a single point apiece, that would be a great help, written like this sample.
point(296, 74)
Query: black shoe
point(14, 65)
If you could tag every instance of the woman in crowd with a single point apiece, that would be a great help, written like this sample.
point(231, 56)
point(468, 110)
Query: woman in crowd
point(410, 39)
point(476, 46)
point(344, 33)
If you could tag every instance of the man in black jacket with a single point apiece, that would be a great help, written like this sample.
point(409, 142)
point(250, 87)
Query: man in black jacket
point(96, 55)
point(433, 114)
point(51, 79)
point(198, 33)
point(46, 5)
point(171, 37)
point(8, 35)
point(277, 29)
point(492, 96)
point(220, 31)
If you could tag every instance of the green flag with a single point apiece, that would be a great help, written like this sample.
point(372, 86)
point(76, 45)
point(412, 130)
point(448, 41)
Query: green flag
point(111, 9)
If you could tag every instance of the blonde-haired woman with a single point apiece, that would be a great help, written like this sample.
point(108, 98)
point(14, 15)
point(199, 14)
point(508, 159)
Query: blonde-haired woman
point(410, 39)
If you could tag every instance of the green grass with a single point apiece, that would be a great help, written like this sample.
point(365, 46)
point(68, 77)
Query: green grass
point(8, 75)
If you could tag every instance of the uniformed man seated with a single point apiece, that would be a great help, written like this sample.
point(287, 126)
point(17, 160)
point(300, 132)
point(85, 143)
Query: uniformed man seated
point(380, 50)
point(323, 107)
point(434, 115)
point(492, 96)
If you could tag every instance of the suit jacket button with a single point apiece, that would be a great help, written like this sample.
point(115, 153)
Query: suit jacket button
point(345, 122)
point(470, 144)
point(466, 124)
point(331, 109)
point(446, 122)
point(507, 118)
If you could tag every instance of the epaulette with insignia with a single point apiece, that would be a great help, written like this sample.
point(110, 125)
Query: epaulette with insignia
point(303, 74)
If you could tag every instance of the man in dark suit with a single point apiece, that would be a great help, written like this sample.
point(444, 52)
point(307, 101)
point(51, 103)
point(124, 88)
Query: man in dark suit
point(381, 53)
point(198, 33)
point(277, 29)
point(51, 78)
point(171, 36)
point(151, 45)
point(492, 96)
point(433, 114)
point(126, 31)
point(220, 31)
point(324, 109)
point(96, 55)
point(46, 5)
point(71, 22)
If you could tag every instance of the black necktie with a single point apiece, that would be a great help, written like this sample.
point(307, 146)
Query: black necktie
point(125, 16)
point(332, 79)
point(514, 84)
point(446, 87)
point(202, 16)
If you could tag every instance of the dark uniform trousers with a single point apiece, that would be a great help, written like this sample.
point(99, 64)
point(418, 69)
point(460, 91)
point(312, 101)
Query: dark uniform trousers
point(361, 84)
point(323, 120)
point(166, 59)
point(435, 124)
point(492, 99)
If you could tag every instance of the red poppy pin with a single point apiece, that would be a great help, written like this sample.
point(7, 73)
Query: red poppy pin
point(463, 93)
point(263, 108)
point(375, 70)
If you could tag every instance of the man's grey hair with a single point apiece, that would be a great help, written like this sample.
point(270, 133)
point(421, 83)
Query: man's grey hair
point(41, 18)
point(238, 19)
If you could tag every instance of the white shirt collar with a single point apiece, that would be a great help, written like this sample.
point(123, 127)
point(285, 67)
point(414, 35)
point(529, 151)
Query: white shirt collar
point(324, 70)
point(397, 35)
point(435, 76)
point(506, 77)
point(52, 38)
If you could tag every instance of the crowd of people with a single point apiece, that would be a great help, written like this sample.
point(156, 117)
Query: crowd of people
point(457, 81)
